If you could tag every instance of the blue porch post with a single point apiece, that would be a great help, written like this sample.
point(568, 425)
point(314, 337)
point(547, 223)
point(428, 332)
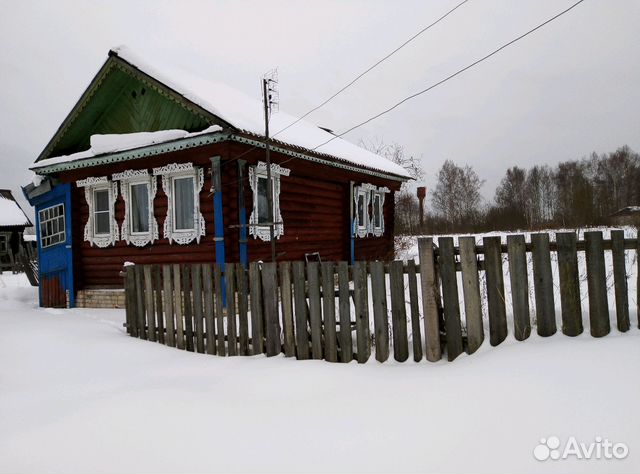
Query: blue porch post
point(216, 182)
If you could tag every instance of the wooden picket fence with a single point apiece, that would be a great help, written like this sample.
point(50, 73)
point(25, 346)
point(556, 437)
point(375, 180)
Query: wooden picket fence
point(322, 310)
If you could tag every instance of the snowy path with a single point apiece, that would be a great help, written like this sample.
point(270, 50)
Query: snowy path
point(78, 395)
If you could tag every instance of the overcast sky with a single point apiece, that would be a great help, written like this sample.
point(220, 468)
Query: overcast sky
point(571, 88)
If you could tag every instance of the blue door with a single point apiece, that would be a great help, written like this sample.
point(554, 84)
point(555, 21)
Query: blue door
point(55, 254)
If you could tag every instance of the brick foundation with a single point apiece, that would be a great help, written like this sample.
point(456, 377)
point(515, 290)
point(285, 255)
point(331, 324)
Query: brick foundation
point(100, 299)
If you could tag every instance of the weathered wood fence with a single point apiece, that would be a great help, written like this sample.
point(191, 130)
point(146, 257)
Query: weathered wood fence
point(325, 310)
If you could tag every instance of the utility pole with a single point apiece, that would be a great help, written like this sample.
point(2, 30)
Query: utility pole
point(267, 89)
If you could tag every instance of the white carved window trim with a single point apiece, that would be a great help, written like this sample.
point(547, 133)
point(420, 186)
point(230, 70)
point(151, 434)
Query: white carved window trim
point(127, 179)
point(91, 185)
point(169, 173)
point(369, 192)
point(260, 172)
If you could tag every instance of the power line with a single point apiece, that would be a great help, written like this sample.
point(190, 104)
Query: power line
point(460, 71)
point(365, 72)
point(369, 69)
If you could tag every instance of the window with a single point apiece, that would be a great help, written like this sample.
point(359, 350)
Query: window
point(138, 190)
point(259, 222)
point(369, 212)
point(3, 244)
point(101, 228)
point(52, 226)
point(182, 184)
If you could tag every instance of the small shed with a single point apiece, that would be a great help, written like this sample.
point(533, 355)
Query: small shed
point(158, 167)
point(13, 221)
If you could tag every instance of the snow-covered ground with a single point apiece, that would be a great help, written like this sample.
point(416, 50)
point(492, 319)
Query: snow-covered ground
point(78, 395)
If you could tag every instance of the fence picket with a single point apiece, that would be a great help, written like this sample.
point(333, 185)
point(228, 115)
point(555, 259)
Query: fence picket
point(157, 288)
point(207, 289)
point(148, 302)
point(597, 285)
point(219, 310)
point(344, 305)
point(232, 335)
point(196, 279)
point(361, 299)
point(286, 296)
point(270, 307)
point(620, 280)
point(300, 302)
point(569, 283)
point(315, 309)
point(130, 300)
point(495, 290)
point(329, 312)
point(519, 278)
point(430, 297)
point(415, 310)
point(188, 309)
point(167, 305)
point(380, 313)
point(398, 312)
point(447, 264)
point(177, 299)
point(471, 293)
point(243, 309)
point(543, 285)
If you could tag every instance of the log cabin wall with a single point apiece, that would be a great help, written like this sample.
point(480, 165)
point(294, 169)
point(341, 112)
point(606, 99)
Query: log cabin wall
point(314, 202)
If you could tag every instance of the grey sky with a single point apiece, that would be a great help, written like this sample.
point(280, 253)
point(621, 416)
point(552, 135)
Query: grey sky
point(570, 89)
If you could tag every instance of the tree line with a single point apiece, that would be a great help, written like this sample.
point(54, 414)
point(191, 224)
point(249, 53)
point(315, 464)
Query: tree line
point(574, 193)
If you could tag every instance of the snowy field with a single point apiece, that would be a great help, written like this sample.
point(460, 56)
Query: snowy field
point(78, 395)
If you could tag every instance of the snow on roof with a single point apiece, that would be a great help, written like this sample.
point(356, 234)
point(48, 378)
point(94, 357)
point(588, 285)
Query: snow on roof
point(246, 114)
point(112, 143)
point(11, 214)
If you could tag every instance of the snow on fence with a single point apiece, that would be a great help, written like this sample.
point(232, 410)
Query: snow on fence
point(338, 312)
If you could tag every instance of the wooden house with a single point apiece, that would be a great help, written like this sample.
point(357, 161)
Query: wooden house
point(13, 221)
point(155, 167)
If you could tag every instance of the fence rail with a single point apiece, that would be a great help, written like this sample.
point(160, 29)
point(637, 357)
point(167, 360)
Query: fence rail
point(340, 312)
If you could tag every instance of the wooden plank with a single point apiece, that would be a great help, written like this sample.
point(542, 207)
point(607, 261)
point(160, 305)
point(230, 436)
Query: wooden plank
point(447, 266)
point(430, 296)
point(300, 305)
point(286, 296)
point(219, 310)
point(198, 309)
point(315, 311)
point(130, 300)
point(232, 332)
point(471, 293)
point(344, 305)
point(177, 288)
point(209, 318)
point(398, 312)
point(361, 300)
point(270, 307)
point(597, 285)
point(638, 280)
point(620, 280)
point(329, 312)
point(495, 290)
point(188, 308)
point(243, 309)
point(157, 289)
point(569, 283)
point(380, 312)
point(519, 278)
point(543, 285)
point(167, 304)
point(148, 302)
point(415, 310)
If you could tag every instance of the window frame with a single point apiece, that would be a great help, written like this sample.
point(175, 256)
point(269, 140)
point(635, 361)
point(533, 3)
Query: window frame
point(44, 217)
point(369, 193)
point(169, 174)
point(91, 185)
point(128, 179)
point(256, 173)
point(4, 242)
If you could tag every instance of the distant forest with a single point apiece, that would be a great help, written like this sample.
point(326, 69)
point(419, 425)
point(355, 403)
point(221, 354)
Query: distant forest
point(575, 193)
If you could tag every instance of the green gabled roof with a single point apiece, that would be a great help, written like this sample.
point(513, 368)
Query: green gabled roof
point(123, 99)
